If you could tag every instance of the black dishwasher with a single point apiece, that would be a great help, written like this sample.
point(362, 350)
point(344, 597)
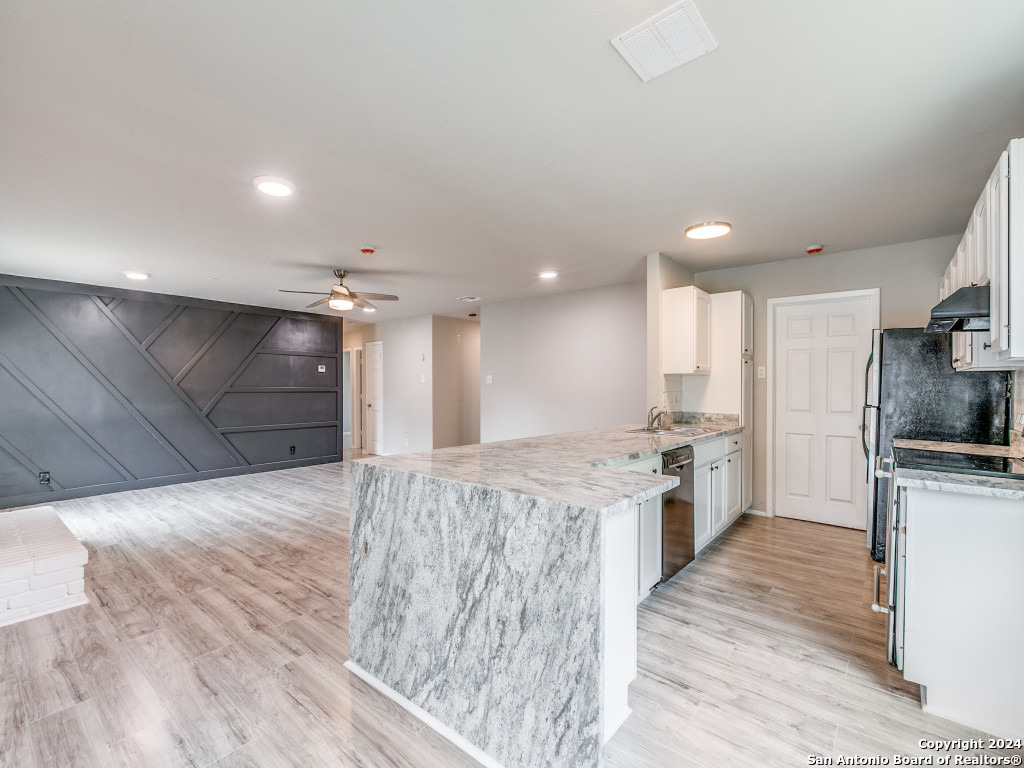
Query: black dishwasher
point(677, 513)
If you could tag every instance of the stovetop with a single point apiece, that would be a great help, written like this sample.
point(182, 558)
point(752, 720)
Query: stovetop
point(963, 463)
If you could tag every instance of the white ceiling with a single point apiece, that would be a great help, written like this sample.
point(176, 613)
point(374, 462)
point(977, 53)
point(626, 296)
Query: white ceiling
point(475, 143)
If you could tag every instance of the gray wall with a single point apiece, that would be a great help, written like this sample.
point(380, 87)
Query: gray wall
point(456, 381)
point(109, 390)
point(908, 275)
point(563, 362)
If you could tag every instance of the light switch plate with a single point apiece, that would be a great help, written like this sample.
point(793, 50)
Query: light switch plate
point(489, 379)
point(321, 369)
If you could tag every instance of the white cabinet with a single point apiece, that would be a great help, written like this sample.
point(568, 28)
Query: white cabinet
point(702, 495)
point(748, 326)
point(748, 468)
point(685, 331)
point(717, 488)
point(990, 254)
point(648, 554)
point(734, 485)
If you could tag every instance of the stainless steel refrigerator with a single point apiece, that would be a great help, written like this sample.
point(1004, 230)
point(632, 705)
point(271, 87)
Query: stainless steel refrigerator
point(913, 392)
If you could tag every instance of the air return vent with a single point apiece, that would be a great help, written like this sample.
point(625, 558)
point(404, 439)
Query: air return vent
point(673, 37)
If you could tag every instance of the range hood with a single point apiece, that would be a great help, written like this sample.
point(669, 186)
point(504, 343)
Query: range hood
point(965, 310)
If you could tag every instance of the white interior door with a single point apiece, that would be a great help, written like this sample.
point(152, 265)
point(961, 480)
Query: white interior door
point(820, 350)
point(375, 397)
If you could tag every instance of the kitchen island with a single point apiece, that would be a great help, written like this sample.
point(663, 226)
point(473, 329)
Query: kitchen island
point(492, 588)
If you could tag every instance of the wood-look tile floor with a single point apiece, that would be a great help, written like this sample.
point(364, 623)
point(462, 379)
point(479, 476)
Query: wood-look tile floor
point(216, 635)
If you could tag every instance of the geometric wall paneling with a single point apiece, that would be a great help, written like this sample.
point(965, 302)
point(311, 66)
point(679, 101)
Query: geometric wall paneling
point(274, 445)
point(109, 392)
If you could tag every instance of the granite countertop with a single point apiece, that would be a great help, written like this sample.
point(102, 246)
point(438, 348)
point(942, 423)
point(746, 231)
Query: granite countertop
point(976, 449)
point(577, 468)
point(970, 485)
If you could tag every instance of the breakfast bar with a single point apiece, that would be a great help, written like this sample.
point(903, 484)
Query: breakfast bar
point(492, 588)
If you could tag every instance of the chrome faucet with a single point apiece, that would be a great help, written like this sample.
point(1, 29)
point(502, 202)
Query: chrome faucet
point(655, 417)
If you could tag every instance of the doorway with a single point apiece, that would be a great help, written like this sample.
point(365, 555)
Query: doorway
point(374, 366)
point(818, 348)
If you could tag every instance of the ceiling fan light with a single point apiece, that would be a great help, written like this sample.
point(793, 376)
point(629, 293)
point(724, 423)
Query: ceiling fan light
point(369, 309)
point(708, 229)
point(340, 304)
point(548, 274)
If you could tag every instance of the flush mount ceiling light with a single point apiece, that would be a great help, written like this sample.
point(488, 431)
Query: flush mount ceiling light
point(708, 229)
point(549, 274)
point(132, 275)
point(273, 186)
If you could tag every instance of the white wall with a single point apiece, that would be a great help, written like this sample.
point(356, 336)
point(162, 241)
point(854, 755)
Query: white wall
point(408, 382)
point(662, 273)
point(563, 362)
point(456, 381)
point(908, 275)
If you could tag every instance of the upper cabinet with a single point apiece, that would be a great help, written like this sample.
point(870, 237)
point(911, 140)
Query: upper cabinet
point(685, 331)
point(748, 326)
point(992, 253)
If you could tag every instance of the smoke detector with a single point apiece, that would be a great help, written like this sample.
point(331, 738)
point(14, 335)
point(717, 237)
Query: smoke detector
point(663, 42)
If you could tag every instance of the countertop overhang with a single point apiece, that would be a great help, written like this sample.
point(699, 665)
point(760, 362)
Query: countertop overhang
point(582, 469)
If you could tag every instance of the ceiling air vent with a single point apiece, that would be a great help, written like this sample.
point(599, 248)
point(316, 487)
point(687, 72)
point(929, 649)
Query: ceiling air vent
point(673, 37)
point(470, 299)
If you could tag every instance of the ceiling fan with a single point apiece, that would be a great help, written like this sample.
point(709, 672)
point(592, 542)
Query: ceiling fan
point(342, 299)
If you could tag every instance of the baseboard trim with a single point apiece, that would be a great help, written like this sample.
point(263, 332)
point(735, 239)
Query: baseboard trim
point(81, 600)
point(752, 511)
point(470, 749)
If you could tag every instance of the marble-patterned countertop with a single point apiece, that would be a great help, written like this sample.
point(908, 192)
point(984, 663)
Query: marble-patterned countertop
point(953, 482)
point(970, 485)
point(577, 468)
point(975, 449)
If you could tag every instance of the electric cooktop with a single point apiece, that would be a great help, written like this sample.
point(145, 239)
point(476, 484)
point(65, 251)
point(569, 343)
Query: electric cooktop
point(962, 463)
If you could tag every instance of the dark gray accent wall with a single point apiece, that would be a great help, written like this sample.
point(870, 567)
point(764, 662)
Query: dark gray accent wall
point(110, 390)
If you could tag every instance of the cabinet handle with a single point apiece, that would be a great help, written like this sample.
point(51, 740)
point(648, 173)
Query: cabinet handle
point(875, 606)
point(987, 346)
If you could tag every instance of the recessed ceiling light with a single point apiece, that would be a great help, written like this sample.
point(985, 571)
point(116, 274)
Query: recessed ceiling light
point(708, 229)
point(369, 309)
point(273, 186)
point(470, 299)
point(131, 275)
point(547, 275)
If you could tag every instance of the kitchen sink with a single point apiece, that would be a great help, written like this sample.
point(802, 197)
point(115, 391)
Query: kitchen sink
point(668, 431)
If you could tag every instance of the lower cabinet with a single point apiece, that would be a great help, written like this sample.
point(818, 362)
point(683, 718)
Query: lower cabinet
point(717, 495)
point(648, 534)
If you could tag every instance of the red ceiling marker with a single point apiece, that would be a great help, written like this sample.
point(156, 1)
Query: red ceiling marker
point(368, 250)
point(812, 249)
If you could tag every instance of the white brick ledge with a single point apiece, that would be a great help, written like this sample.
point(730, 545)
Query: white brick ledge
point(42, 565)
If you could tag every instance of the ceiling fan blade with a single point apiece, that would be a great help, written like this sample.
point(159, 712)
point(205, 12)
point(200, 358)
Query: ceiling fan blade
point(375, 296)
point(312, 293)
point(361, 303)
point(317, 303)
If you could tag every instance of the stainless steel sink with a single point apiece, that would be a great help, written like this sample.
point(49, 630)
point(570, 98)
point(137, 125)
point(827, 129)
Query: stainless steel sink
point(667, 431)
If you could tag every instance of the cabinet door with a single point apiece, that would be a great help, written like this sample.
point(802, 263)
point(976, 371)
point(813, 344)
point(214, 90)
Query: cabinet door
point(733, 485)
point(702, 530)
point(719, 497)
point(649, 546)
point(981, 238)
point(747, 395)
point(999, 256)
point(748, 325)
point(748, 468)
point(701, 332)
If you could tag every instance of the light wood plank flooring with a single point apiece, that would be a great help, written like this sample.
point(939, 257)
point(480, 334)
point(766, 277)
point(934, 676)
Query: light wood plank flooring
point(217, 630)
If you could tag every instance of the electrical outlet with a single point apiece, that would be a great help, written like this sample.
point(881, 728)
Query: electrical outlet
point(44, 478)
point(321, 369)
point(760, 371)
point(291, 450)
point(489, 379)
point(458, 337)
point(423, 378)
point(407, 441)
